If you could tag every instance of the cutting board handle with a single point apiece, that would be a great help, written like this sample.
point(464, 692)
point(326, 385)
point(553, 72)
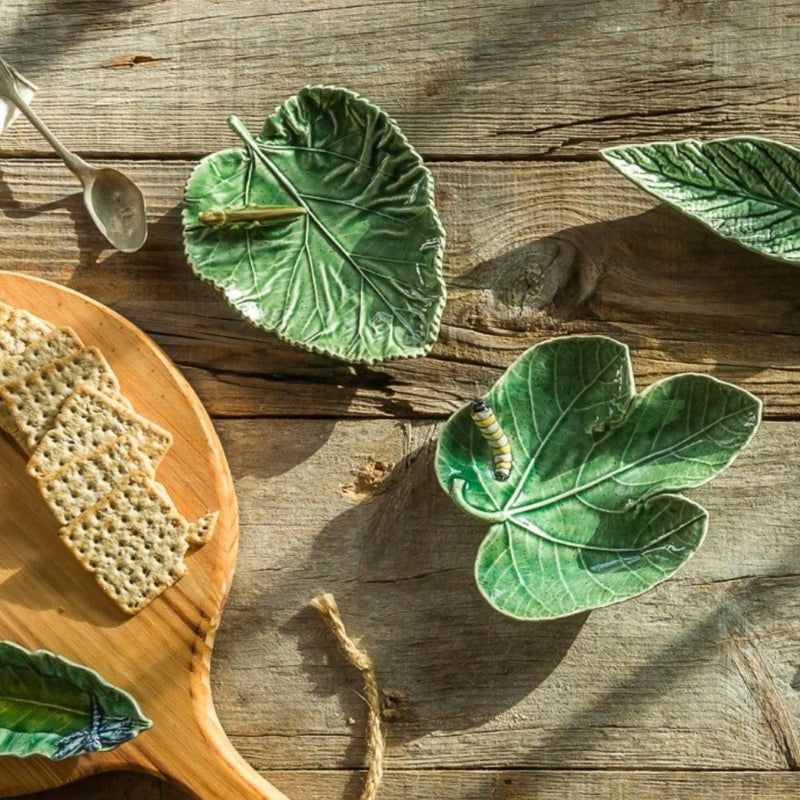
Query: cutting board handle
point(213, 770)
point(220, 779)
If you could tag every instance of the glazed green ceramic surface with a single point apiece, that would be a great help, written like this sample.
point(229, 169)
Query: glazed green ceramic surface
point(746, 188)
point(590, 514)
point(359, 275)
point(45, 698)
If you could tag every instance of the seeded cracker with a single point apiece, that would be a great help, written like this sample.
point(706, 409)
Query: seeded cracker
point(83, 482)
point(201, 531)
point(19, 330)
point(51, 346)
point(5, 313)
point(132, 540)
point(89, 419)
point(34, 401)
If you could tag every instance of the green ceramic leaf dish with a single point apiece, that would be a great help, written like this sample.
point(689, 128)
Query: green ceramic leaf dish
point(52, 707)
point(590, 514)
point(356, 270)
point(746, 188)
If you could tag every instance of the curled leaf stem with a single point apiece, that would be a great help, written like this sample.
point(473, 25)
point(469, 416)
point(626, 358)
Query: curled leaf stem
point(457, 493)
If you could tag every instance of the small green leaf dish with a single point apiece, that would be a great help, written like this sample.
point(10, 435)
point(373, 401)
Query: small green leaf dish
point(745, 188)
point(349, 262)
point(52, 707)
point(589, 514)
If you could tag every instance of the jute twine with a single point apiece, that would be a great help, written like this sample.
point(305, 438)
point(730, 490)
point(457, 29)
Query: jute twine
point(329, 611)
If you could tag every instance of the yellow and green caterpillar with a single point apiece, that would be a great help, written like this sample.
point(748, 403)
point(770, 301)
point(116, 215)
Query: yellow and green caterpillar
point(490, 429)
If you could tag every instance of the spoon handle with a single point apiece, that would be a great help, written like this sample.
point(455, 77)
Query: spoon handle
point(8, 88)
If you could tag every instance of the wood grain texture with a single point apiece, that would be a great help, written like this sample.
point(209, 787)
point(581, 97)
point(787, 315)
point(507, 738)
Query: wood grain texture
point(480, 785)
point(510, 78)
point(162, 654)
point(701, 673)
point(534, 250)
point(688, 692)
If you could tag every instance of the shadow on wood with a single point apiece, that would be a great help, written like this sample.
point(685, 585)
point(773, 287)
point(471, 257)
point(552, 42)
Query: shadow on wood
point(53, 31)
point(674, 291)
point(445, 659)
point(130, 785)
point(746, 623)
point(90, 240)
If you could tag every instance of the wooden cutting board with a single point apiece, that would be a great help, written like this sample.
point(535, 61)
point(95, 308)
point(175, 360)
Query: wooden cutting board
point(162, 655)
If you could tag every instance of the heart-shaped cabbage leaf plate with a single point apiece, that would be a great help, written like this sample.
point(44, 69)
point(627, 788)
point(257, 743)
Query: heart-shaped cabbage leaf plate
point(356, 271)
point(590, 514)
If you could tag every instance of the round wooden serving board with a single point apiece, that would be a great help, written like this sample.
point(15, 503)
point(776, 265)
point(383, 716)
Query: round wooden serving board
point(162, 655)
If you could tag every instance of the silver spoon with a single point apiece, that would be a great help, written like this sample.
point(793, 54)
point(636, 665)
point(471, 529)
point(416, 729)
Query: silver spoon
point(113, 201)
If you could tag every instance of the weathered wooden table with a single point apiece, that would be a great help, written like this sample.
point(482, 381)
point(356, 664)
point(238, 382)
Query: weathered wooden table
point(692, 690)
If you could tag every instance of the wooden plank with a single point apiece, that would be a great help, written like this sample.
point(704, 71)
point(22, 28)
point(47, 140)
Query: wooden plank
point(700, 673)
point(477, 785)
point(518, 78)
point(534, 250)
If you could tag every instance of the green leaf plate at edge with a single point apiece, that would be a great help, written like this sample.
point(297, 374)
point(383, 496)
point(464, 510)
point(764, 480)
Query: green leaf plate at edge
point(590, 514)
point(46, 706)
point(359, 276)
point(745, 188)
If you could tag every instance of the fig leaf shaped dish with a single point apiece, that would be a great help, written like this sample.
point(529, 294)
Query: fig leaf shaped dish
point(744, 188)
point(52, 707)
point(323, 229)
point(589, 514)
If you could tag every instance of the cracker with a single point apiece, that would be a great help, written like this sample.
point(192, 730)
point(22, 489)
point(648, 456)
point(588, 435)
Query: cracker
point(5, 312)
point(11, 428)
point(132, 540)
point(35, 400)
point(201, 531)
point(19, 330)
point(89, 419)
point(83, 482)
point(53, 345)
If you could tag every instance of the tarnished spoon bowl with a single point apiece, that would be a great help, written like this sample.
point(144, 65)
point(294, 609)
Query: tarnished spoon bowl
point(117, 207)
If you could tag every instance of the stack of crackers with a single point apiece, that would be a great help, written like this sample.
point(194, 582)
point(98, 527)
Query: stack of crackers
point(94, 458)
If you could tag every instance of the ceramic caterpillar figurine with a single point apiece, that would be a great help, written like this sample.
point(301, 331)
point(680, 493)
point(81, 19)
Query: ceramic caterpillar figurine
point(248, 216)
point(490, 429)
